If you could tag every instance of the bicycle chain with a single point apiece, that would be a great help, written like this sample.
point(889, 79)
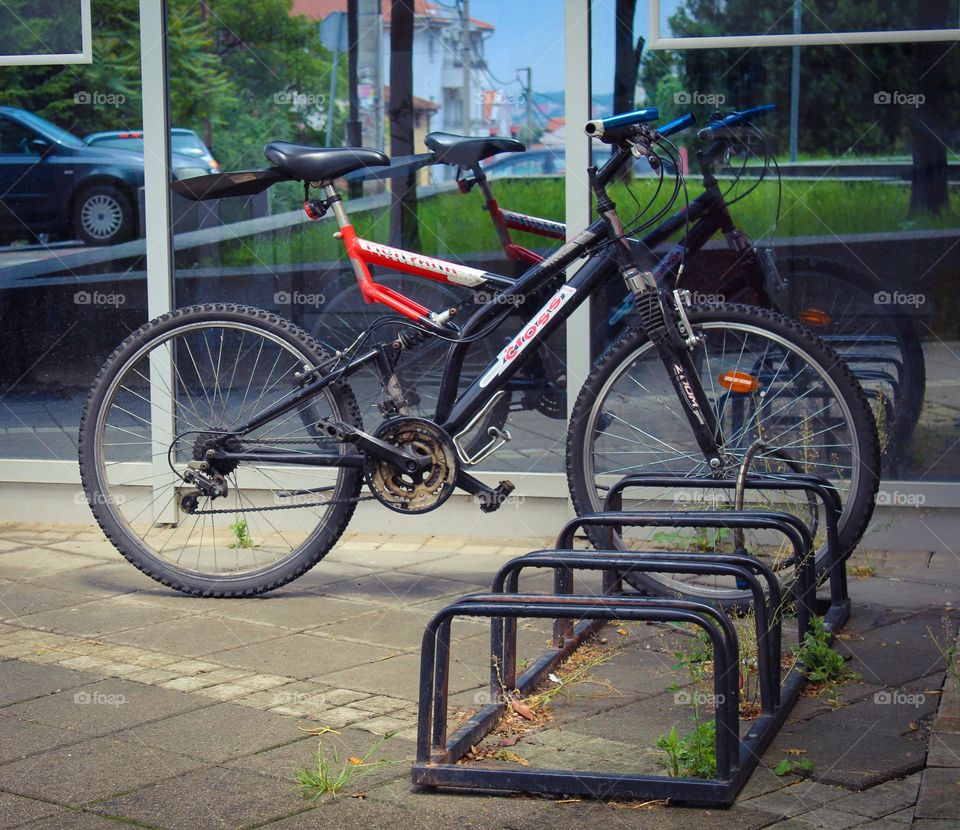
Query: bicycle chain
point(282, 506)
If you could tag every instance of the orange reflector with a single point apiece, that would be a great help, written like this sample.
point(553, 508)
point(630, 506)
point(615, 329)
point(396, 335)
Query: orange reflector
point(739, 382)
point(814, 317)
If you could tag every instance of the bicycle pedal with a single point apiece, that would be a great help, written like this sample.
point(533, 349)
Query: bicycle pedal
point(492, 499)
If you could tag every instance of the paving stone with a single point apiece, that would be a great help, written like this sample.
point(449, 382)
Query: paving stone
point(100, 579)
point(193, 667)
point(20, 598)
point(829, 818)
point(197, 636)
point(934, 824)
point(217, 732)
point(262, 682)
point(103, 707)
point(242, 799)
point(91, 770)
point(385, 725)
point(16, 810)
point(224, 691)
point(944, 750)
point(394, 587)
point(23, 680)
point(22, 738)
point(939, 795)
point(31, 563)
point(886, 798)
point(881, 658)
point(280, 762)
point(795, 799)
point(396, 628)
point(75, 820)
point(102, 617)
point(292, 608)
point(379, 704)
point(152, 677)
point(302, 656)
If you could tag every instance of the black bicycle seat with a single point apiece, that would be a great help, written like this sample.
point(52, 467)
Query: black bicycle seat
point(321, 164)
point(466, 151)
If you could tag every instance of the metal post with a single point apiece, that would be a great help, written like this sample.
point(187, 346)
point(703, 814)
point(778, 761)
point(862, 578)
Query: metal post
point(465, 58)
point(795, 82)
point(576, 18)
point(529, 102)
point(159, 239)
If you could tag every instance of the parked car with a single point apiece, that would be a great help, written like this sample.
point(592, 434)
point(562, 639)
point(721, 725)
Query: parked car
point(183, 141)
point(53, 183)
point(550, 162)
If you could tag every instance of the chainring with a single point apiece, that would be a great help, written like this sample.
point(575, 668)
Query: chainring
point(420, 492)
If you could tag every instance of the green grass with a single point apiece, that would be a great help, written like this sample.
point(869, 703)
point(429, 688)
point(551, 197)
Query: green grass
point(452, 224)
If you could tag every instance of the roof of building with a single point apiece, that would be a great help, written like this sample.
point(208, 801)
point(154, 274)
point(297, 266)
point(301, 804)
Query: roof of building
point(319, 9)
point(419, 104)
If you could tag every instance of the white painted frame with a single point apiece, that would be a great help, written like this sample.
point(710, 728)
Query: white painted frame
point(85, 55)
point(656, 42)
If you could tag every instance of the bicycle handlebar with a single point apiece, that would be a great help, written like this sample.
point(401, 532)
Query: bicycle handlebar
point(599, 126)
point(677, 125)
point(734, 119)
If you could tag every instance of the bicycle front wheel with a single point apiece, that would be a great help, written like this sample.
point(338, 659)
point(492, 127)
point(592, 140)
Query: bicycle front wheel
point(173, 391)
point(791, 392)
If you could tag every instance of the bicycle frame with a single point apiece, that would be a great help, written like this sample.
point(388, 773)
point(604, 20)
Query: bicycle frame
point(454, 413)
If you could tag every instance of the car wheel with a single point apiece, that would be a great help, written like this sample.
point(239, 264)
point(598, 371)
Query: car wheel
point(103, 215)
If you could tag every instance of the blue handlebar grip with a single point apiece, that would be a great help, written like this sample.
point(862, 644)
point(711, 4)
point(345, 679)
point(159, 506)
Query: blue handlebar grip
point(625, 119)
point(677, 125)
point(746, 115)
point(598, 126)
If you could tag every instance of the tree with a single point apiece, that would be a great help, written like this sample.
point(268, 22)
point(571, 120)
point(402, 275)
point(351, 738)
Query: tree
point(855, 100)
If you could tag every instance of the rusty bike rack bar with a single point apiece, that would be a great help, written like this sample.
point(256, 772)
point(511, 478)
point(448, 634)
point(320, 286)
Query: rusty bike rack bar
point(576, 617)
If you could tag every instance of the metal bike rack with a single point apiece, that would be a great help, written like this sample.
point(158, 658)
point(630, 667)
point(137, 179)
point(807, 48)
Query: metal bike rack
point(577, 616)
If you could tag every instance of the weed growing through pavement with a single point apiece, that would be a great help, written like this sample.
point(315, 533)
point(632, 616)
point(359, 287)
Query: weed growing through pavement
point(788, 766)
point(822, 663)
point(329, 776)
point(949, 650)
point(693, 753)
point(242, 534)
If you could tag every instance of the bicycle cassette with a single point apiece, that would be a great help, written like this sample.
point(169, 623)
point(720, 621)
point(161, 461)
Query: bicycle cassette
point(418, 492)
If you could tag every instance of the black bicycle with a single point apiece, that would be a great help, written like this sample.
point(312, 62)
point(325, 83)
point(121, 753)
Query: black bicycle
point(223, 452)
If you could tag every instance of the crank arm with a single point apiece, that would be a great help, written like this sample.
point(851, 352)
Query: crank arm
point(399, 458)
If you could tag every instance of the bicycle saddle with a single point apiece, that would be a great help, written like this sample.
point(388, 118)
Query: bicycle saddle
point(466, 151)
point(321, 164)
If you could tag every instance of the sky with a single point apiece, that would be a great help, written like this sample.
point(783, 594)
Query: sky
point(530, 33)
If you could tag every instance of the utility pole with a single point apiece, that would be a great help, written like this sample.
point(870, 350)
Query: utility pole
point(465, 58)
point(795, 83)
point(528, 95)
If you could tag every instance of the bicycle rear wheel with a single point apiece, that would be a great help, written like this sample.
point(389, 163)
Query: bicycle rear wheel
point(844, 306)
point(173, 391)
point(802, 400)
